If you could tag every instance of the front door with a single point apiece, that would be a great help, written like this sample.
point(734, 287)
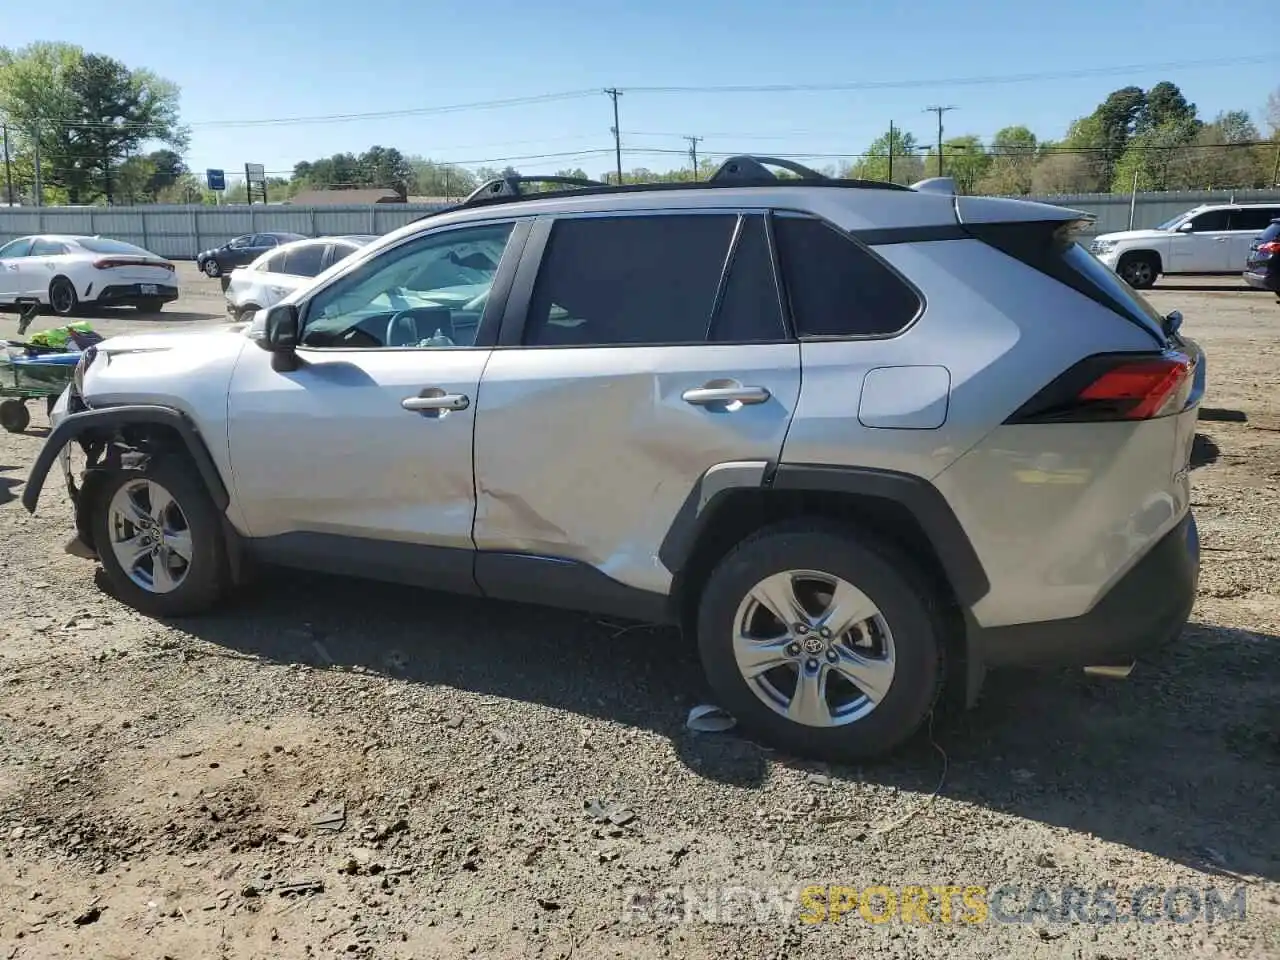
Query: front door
point(11, 256)
point(1202, 247)
point(359, 461)
point(631, 364)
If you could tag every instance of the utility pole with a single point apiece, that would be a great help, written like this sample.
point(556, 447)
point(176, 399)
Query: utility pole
point(890, 177)
point(39, 182)
point(1275, 170)
point(614, 93)
point(8, 173)
point(939, 111)
point(693, 153)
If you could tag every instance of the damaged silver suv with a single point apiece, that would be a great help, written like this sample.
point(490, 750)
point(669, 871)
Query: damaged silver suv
point(858, 440)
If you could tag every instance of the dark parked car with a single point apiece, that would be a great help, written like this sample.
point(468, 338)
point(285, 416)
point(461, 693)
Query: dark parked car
point(1262, 268)
point(240, 251)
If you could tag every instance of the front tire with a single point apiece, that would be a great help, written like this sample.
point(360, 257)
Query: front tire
point(859, 666)
point(158, 536)
point(62, 297)
point(211, 269)
point(1139, 270)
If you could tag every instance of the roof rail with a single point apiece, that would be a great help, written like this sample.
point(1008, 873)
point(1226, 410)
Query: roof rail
point(749, 169)
point(508, 187)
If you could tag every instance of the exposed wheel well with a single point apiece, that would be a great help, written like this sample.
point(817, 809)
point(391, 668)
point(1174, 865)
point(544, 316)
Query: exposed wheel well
point(1151, 255)
point(741, 512)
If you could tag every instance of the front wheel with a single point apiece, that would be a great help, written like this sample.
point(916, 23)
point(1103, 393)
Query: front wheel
point(211, 268)
point(822, 643)
point(157, 533)
point(1139, 270)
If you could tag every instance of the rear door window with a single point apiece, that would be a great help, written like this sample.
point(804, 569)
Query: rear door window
point(837, 288)
point(750, 311)
point(306, 260)
point(629, 280)
point(1254, 219)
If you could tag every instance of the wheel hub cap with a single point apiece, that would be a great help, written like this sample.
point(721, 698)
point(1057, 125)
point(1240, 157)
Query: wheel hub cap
point(149, 536)
point(814, 648)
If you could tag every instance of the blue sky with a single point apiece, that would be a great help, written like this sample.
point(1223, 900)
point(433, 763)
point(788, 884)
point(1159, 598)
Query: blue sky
point(288, 58)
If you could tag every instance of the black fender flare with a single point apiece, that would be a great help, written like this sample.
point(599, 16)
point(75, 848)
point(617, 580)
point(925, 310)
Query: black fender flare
point(960, 562)
point(112, 418)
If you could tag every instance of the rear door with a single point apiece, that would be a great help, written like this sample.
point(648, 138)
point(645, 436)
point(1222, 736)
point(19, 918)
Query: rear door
point(637, 352)
point(1246, 224)
point(1205, 247)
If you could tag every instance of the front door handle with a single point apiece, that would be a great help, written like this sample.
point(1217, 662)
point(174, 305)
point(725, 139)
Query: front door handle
point(436, 400)
point(702, 396)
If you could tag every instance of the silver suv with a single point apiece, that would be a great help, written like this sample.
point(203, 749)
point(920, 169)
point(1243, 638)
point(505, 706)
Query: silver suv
point(858, 440)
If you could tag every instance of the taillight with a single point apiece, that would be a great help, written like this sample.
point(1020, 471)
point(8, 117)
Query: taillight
point(1270, 249)
point(112, 264)
point(1113, 387)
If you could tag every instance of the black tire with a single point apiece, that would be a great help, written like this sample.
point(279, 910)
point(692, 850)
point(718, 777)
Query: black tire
point(887, 578)
point(211, 268)
point(247, 311)
point(205, 577)
point(14, 415)
point(62, 297)
point(1139, 270)
point(150, 306)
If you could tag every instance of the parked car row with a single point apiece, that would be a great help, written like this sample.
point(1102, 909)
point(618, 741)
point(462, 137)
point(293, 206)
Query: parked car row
point(1211, 238)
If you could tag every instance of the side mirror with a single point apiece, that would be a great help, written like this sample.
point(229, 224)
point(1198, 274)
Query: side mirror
point(1187, 227)
point(280, 336)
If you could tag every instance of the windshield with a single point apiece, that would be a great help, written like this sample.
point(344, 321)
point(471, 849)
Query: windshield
point(99, 245)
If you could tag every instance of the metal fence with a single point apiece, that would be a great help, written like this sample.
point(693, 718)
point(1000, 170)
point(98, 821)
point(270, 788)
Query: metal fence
point(180, 232)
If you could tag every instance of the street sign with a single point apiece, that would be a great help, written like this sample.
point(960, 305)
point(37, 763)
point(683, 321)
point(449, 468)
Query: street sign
point(217, 179)
point(255, 181)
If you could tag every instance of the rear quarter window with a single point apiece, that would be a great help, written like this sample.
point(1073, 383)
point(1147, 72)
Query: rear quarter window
point(835, 287)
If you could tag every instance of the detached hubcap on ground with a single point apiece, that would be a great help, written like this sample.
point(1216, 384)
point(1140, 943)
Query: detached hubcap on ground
point(813, 648)
point(149, 536)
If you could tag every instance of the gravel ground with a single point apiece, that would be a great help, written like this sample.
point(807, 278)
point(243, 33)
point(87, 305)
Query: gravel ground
point(334, 768)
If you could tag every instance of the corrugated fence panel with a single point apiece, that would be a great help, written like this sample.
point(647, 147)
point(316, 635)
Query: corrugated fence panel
point(180, 232)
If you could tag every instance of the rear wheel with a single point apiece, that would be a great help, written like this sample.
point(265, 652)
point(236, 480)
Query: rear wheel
point(14, 415)
point(822, 643)
point(1139, 270)
point(62, 297)
point(157, 533)
point(211, 268)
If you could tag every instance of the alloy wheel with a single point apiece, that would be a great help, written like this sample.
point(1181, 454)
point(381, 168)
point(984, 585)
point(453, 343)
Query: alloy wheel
point(149, 536)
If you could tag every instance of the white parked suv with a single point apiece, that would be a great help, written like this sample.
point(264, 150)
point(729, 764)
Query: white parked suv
point(1212, 238)
point(859, 440)
point(279, 272)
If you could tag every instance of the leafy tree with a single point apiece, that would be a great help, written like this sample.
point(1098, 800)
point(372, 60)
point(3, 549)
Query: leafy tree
point(1013, 158)
point(1061, 172)
point(1166, 107)
point(966, 161)
point(432, 179)
point(169, 169)
point(386, 167)
point(908, 166)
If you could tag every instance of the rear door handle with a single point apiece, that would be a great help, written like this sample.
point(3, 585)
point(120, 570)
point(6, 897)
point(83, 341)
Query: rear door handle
point(702, 396)
point(440, 401)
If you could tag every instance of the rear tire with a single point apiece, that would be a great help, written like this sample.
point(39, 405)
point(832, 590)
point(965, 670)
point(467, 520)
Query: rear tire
point(62, 297)
point(1139, 270)
point(874, 681)
point(14, 415)
point(143, 522)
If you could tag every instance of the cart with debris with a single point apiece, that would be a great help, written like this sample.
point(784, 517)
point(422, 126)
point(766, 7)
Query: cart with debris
point(39, 368)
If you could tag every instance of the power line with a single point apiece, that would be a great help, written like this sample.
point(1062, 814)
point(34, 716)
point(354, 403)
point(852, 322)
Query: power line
point(962, 81)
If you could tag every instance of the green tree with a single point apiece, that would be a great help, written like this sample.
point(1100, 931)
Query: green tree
point(1014, 152)
point(432, 179)
point(965, 160)
point(1166, 107)
point(385, 167)
point(908, 166)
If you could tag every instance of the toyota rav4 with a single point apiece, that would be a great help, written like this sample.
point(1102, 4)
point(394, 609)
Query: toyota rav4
point(858, 440)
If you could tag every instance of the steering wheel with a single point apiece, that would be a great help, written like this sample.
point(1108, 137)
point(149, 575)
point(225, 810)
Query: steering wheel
point(392, 337)
point(478, 302)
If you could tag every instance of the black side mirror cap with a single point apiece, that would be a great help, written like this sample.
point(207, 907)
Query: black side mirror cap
point(280, 336)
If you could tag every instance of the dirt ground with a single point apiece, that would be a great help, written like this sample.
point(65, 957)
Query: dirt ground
point(341, 769)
